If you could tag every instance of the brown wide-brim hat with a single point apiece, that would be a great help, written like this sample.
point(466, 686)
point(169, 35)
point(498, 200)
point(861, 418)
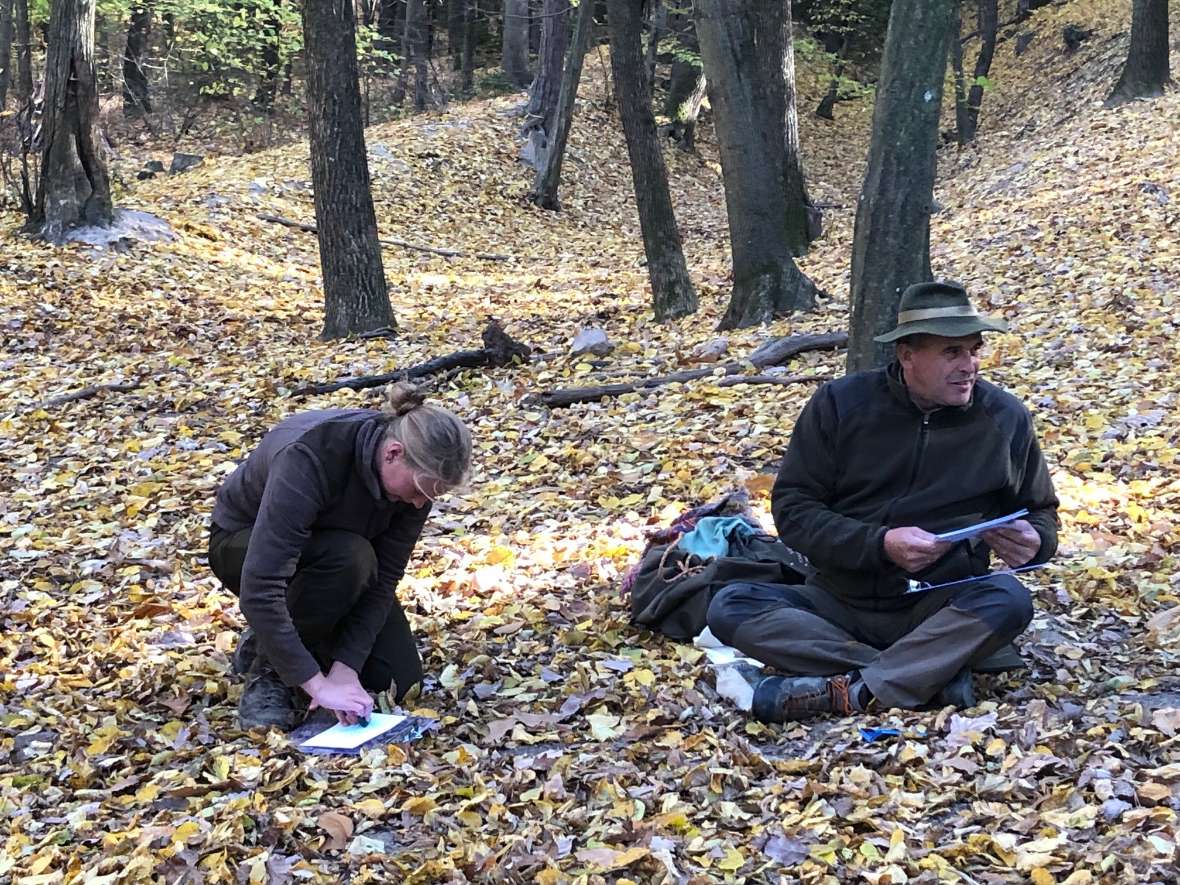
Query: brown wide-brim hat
point(939, 309)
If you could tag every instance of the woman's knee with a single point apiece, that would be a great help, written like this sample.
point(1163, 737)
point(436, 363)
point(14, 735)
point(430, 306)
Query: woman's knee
point(348, 557)
point(397, 674)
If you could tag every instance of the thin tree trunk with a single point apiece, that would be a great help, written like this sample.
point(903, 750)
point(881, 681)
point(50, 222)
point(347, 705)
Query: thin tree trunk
point(742, 50)
point(672, 291)
point(420, 39)
point(74, 188)
point(136, 96)
point(269, 36)
point(5, 50)
point(456, 32)
point(535, 18)
point(543, 94)
point(891, 243)
point(1147, 73)
point(355, 296)
point(803, 218)
point(548, 177)
point(989, 26)
point(391, 26)
point(514, 56)
point(961, 121)
point(24, 51)
point(657, 21)
point(469, 37)
point(686, 89)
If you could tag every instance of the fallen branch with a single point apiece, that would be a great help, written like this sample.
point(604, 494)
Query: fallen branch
point(88, 392)
point(772, 353)
point(391, 242)
point(499, 349)
point(735, 380)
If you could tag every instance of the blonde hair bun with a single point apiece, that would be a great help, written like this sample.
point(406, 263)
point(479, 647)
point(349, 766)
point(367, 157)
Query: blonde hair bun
point(401, 398)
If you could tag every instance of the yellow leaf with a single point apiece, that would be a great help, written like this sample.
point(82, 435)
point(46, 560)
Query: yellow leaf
point(419, 805)
point(371, 808)
point(733, 860)
point(103, 738)
point(1041, 876)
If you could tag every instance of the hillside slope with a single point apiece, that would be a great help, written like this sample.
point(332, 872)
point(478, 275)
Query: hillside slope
point(572, 746)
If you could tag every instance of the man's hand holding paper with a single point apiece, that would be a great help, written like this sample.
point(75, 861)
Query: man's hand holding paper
point(1016, 543)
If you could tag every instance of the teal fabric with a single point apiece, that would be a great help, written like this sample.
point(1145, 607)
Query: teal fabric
point(712, 536)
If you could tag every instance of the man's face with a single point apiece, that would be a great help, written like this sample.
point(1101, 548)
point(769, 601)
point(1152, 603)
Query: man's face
point(940, 371)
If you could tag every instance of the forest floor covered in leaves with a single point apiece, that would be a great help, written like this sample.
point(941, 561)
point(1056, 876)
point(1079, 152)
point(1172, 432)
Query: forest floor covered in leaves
point(570, 745)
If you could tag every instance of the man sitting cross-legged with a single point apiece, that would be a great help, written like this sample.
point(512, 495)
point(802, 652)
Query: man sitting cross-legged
point(878, 463)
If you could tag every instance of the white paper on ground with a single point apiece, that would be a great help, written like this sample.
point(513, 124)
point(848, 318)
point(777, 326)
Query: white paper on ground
point(979, 528)
point(347, 737)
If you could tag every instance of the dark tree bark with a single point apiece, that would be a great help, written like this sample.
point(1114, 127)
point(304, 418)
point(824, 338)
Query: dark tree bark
point(355, 296)
point(548, 177)
point(269, 35)
point(543, 94)
point(671, 287)
point(803, 217)
point(136, 95)
point(656, 28)
point(5, 49)
point(891, 243)
point(456, 31)
point(968, 100)
point(686, 90)
point(535, 17)
point(470, 34)
point(74, 187)
point(391, 26)
point(24, 51)
point(514, 55)
point(1147, 73)
point(742, 50)
point(414, 40)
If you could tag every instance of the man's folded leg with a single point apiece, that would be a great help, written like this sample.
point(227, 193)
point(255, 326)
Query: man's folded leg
point(950, 631)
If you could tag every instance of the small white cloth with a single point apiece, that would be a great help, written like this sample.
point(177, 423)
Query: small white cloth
point(728, 664)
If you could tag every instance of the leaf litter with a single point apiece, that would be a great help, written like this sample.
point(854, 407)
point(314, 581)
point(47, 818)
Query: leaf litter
point(572, 747)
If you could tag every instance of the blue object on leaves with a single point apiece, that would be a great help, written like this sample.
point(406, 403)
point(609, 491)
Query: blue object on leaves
point(875, 734)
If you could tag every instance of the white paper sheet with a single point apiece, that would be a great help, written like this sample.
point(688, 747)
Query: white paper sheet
point(347, 737)
point(979, 528)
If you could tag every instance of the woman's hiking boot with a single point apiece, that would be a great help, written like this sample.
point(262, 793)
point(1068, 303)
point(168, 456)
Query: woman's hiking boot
point(267, 701)
point(246, 652)
point(791, 698)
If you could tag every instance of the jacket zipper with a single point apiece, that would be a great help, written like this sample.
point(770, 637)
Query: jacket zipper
point(919, 451)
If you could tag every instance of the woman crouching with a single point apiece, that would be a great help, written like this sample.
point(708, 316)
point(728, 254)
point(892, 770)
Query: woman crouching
point(312, 533)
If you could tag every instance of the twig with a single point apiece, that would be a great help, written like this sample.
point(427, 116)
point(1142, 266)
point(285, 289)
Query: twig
point(88, 392)
point(391, 242)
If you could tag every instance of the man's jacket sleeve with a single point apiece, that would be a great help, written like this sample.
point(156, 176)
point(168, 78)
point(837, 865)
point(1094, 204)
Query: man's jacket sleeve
point(1037, 494)
point(805, 487)
point(357, 632)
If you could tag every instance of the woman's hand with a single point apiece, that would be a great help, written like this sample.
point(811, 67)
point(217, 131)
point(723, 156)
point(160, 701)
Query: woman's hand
point(341, 692)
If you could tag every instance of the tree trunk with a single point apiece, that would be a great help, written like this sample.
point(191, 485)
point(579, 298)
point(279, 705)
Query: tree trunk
point(548, 177)
point(74, 187)
point(671, 286)
point(543, 94)
point(686, 90)
point(891, 242)
point(657, 22)
point(5, 50)
point(24, 51)
point(270, 34)
point(514, 57)
point(989, 25)
point(803, 218)
point(391, 26)
point(742, 50)
point(456, 32)
point(961, 122)
point(136, 97)
point(413, 47)
point(355, 296)
point(1146, 73)
point(469, 37)
point(535, 7)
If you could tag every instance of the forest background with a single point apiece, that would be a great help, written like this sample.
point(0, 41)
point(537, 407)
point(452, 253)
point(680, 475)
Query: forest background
point(140, 367)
